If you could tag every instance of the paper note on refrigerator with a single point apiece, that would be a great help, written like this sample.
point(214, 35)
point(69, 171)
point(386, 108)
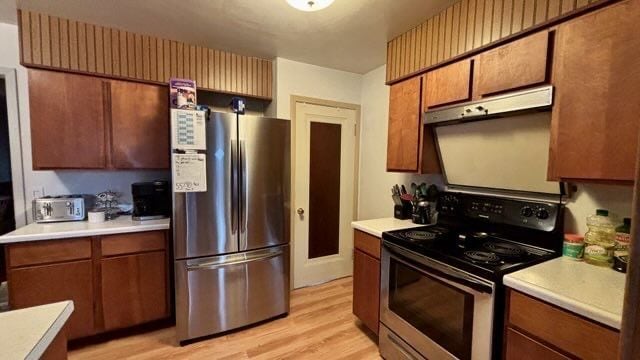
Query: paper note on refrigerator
point(189, 172)
point(188, 130)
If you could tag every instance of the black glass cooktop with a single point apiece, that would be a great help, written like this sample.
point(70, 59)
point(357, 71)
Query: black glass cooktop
point(482, 253)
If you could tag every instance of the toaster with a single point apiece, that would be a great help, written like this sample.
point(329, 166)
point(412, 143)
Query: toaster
point(62, 208)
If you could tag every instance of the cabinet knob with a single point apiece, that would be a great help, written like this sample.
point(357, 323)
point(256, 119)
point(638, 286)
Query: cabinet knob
point(300, 211)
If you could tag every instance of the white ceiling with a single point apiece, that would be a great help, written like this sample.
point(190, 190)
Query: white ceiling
point(350, 35)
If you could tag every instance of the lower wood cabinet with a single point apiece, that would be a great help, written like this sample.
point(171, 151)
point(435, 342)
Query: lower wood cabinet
point(134, 289)
point(538, 330)
point(366, 280)
point(115, 281)
point(38, 285)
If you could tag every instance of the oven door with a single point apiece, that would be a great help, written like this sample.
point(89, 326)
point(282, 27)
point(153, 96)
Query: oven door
point(440, 311)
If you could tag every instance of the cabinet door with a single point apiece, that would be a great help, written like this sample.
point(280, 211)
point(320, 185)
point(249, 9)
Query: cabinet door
point(67, 121)
point(521, 347)
point(139, 126)
point(366, 289)
point(595, 122)
point(516, 65)
point(448, 84)
point(403, 142)
point(134, 289)
point(38, 285)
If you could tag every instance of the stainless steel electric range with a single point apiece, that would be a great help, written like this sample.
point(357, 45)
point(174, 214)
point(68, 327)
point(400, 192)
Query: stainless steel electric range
point(441, 294)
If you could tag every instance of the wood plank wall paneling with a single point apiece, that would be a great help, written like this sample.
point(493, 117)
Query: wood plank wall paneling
point(67, 45)
point(465, 26)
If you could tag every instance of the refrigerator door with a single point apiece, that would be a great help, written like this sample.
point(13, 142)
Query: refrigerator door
point(221, 293)
point(206, 223)
point(264, 181)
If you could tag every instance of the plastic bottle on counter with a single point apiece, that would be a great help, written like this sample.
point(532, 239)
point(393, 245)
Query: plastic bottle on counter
point(621, 250)
point(573, 247)
point(600, 239)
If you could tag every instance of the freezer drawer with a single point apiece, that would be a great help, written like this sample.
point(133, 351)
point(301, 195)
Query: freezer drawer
point(221, 293)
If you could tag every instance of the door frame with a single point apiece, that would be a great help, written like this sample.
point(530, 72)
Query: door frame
point(356, 171)
point(15, 145)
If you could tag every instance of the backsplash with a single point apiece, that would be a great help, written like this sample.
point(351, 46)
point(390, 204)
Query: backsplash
point(589, 197)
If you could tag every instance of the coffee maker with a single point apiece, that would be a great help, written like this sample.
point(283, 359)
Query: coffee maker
point(151, 200)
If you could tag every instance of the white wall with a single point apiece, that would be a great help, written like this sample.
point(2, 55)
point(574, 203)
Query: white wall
point(57, 182)
point(589, 197)
point(296, 78)
point(375, 182)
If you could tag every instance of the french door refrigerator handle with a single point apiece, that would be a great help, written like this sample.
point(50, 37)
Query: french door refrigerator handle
point(220, 264)
point(243, 196)
point(234, 186)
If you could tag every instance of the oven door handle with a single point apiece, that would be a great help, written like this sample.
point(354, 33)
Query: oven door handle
point(438, 269)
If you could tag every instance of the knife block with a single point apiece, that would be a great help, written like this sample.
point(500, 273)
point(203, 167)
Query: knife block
point(403, 212)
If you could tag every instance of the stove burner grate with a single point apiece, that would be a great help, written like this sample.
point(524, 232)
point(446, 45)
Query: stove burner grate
point(417, 235)
point(504, 249)
point(482, 257)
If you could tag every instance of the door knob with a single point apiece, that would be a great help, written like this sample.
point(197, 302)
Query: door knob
point(300, 211)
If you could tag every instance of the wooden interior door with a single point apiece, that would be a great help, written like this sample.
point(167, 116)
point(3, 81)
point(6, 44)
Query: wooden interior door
point(39, 285)
point(134, 289)
point(139, 125)
point(67, 120)
point(595, 122)
point(403, 142)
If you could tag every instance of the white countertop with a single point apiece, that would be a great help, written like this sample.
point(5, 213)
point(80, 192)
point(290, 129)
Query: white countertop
point(375, 227)
point(27, 333)
point(593, 292)
point(69, 229)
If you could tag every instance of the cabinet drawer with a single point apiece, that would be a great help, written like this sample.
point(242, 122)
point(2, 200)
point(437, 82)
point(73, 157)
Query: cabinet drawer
point(521, 347)
point(121, 244)
point(48, 251)
point(516, 65)
point(366, 243)
point(571, 333)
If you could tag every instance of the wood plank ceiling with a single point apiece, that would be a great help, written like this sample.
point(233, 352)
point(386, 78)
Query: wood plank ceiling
point(468, 25)
point(67, 45)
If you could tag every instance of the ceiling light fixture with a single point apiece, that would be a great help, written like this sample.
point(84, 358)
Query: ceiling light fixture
point(310, 5)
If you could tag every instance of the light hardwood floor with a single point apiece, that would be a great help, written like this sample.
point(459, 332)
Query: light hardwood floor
point(319, 326)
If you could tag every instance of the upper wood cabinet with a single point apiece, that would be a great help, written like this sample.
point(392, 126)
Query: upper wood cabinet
point(595, 122)
point(139, 125)
point(448, 84)
point(84, 122)
point(404, 125)
point(410, 145)
point(67, 121)
point(519, 64)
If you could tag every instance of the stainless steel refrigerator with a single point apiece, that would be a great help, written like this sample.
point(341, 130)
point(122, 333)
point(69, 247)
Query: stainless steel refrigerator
point(231, 243)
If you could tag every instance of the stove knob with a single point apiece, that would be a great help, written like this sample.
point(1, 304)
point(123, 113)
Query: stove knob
point(542, 214)
point(526, 211)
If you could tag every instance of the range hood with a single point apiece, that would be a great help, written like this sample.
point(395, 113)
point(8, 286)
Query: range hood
point(540, 98)
point(499, 144)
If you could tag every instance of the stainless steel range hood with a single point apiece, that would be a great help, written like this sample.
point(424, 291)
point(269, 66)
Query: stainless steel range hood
point(499, 144)
point(540, 98)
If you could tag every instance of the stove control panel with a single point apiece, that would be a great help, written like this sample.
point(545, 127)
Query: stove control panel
point(529, 214)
